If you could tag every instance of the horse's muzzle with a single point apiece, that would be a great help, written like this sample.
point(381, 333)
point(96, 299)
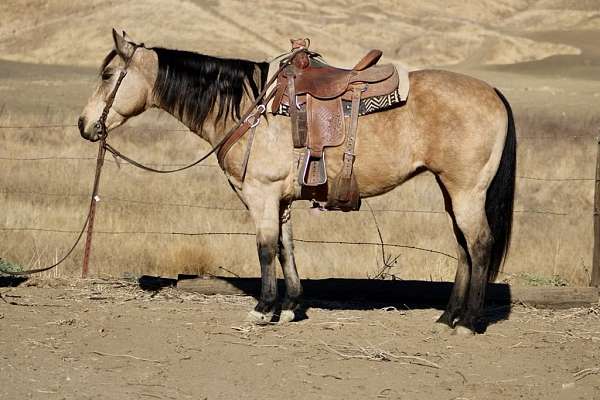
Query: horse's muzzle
point(92, 136)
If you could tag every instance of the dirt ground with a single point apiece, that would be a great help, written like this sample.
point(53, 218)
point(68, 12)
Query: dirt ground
point(106, 339)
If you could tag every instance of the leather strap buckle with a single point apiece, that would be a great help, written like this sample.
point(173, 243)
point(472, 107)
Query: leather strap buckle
point(260, 109)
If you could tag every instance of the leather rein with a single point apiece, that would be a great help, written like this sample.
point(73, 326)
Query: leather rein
point(249, 120)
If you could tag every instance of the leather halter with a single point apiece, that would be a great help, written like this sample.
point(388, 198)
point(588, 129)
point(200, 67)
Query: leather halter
point(101, 123)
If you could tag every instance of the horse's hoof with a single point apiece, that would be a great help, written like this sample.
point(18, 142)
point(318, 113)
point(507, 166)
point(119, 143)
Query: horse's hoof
point(286, 316)
point(259, 318)
point(463, 331)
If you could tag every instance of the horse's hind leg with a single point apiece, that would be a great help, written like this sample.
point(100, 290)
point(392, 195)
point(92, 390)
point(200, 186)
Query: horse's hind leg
point(471, 219)
point(460, 289)
point(288, 264)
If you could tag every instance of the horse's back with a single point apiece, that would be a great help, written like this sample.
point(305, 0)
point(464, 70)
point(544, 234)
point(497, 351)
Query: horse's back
point(449, 100)
point(451, 123)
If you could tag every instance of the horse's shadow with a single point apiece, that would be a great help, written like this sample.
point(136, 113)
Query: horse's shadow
point(349, 294)
point(362, 294)
point(12, 281)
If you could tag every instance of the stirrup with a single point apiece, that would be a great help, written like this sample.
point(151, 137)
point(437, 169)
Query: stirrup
point(313, 168)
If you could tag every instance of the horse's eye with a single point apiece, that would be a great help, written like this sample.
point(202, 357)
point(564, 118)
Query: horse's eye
point(106, 75)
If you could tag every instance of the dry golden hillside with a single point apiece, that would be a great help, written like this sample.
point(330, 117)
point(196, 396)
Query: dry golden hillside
point(420, 33)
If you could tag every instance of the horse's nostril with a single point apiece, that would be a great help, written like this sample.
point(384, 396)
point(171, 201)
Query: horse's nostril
point(81, 124)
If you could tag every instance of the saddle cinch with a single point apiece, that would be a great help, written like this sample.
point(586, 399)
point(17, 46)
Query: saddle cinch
point(324, 104)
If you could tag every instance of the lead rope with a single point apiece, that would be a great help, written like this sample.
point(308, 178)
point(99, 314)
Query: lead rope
point(99, 163)
point(103, 146)
point(93, 200)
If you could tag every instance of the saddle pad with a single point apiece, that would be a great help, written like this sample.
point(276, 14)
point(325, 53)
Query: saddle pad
point(367, 106)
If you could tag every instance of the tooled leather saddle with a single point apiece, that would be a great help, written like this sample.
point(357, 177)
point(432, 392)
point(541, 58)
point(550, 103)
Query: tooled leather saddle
point(324, 103)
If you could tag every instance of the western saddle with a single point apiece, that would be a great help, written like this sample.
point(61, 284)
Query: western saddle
point(324, 104)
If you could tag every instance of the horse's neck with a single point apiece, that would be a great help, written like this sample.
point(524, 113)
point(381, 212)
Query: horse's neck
point(211, 132)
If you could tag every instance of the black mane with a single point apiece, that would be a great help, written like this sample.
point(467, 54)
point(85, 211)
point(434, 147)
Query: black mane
point(189, 85)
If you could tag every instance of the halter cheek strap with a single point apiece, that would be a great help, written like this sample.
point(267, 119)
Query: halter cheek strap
point(101, 123)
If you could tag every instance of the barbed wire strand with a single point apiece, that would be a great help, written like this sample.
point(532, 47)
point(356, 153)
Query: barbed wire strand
point(113, 162)
point(56, 126)
point(249, 234)
point(134, 129)
point(205, 207)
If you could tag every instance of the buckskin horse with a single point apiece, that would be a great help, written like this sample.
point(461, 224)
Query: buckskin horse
point(457, 127)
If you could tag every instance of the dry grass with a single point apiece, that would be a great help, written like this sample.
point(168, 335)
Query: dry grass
point(375, 353)
point(139, 212)
point(52, 194)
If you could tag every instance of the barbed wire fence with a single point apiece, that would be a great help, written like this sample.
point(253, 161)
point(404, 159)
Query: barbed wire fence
point(140, 202)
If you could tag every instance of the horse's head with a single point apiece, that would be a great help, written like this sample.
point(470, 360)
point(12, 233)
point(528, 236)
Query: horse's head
point(133, 95)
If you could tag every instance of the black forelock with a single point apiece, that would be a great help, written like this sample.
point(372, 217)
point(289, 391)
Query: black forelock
point(190, 85)
point(109, 57)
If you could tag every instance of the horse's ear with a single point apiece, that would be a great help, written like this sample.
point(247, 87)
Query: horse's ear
point(128, 38)
point(123, 47)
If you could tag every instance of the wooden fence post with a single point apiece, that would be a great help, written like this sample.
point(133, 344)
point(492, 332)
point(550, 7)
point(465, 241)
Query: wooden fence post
point(90, 224)
point(595, 281)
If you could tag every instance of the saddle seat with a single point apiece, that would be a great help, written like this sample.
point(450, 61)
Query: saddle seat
point(325, 82)
point(328, 82)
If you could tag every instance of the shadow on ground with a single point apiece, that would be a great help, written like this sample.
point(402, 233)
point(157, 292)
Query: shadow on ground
point(346, 294)
point(11, 281)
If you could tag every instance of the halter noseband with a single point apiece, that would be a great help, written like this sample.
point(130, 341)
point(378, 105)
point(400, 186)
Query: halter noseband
point(101, 123)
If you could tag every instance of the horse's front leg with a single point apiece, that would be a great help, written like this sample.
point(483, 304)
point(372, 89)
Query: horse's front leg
point(265, 213)
point(288, 264)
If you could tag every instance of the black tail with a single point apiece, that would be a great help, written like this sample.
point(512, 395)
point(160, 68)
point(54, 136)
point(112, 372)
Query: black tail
point(500, 196)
